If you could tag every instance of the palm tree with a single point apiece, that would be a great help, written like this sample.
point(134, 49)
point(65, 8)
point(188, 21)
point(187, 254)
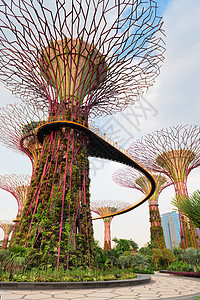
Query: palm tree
point(140, 261)
point(189, 206)
point(14, 258)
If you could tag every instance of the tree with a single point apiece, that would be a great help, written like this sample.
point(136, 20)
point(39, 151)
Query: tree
point(167, 257)
point(192, 257)
point(189, 206)
point(156, 255)
point(14, 258)
point(140, 261)
point(126, 260)
point(125, 245)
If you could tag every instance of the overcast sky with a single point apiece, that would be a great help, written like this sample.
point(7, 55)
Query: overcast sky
point(174, 99)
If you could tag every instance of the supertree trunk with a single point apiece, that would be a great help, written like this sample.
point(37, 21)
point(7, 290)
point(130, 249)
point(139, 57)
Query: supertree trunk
point(7, 227)
point(130, 178)
point(176, 162)
point(59, 196)
point(5, 241)
point(157, 235)
point(107, 207)
point(107, 235)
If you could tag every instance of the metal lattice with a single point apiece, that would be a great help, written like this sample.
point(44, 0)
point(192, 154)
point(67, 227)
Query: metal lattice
point(175, 152)
point(124, 39)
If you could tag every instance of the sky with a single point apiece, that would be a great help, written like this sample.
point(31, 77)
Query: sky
point(174, 99)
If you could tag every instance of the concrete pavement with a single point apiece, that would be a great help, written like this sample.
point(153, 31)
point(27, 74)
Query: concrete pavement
point(162, 286)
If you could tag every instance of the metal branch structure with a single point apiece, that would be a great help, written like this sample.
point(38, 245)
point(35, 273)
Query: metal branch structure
point(17, 185)
point(18, 124)
point(106, 207)
point(175, 152)
point(78, 59)
point(130, 178)
point(7, 227)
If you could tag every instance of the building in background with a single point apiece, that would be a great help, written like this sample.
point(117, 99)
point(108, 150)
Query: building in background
point(171, 228)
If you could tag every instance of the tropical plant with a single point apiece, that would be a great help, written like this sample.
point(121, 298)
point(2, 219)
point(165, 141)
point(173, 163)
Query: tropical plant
point(125, 261)
point(125, 245)
point(192, 257)
point(156, 256)
point(178, 251)
point(189, 206)
point(113, 256)
point(14, 259)
point(140, 261)
point(167, 257)
point(180, 266)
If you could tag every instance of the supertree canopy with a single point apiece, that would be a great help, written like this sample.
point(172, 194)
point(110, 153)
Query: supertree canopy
point(7, 227)
point(18, 124)
point(17, 185)
point(174, 151)
point(106, 207)
point(77, 58)
point(130, 178)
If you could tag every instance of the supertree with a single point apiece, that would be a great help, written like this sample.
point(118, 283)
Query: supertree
point(175, 152)
point(17, 185)
point(18, 124)
point(78, 58)
point(7, 227)
point(130, 178)
point(104, 208)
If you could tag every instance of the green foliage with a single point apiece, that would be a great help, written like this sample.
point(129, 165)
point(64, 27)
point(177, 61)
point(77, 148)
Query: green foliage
point(180, 266)
point(192, 257)
point(126, 260)
point(49, 274)
point(125, 245)
point(178, 253)
point(14, 259)
point(190, 207)
point(162, 258)
point(57, 192)
point(140, 261)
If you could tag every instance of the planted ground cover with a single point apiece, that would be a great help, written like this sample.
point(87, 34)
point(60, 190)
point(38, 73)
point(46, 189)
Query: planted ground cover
point(61, 275)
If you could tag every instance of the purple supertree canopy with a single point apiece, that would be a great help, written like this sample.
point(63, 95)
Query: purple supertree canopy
point(106, 207)
point(17, 185)
point(130, 178)
point(18, 124)
point(174, 151)
point(109, 52)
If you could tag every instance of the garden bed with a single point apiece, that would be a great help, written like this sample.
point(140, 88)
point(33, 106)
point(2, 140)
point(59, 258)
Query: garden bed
point(181, 273)
point(141, 279)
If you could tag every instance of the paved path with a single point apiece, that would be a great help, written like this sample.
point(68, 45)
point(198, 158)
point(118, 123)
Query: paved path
point(161, 287)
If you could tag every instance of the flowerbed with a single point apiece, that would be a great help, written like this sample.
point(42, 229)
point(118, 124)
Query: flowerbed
point(78, 275)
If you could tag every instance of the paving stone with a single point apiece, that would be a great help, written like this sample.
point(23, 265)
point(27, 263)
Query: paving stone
point(37, 296)
point(11, 297)
point(68, 296)
point(102, 295)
